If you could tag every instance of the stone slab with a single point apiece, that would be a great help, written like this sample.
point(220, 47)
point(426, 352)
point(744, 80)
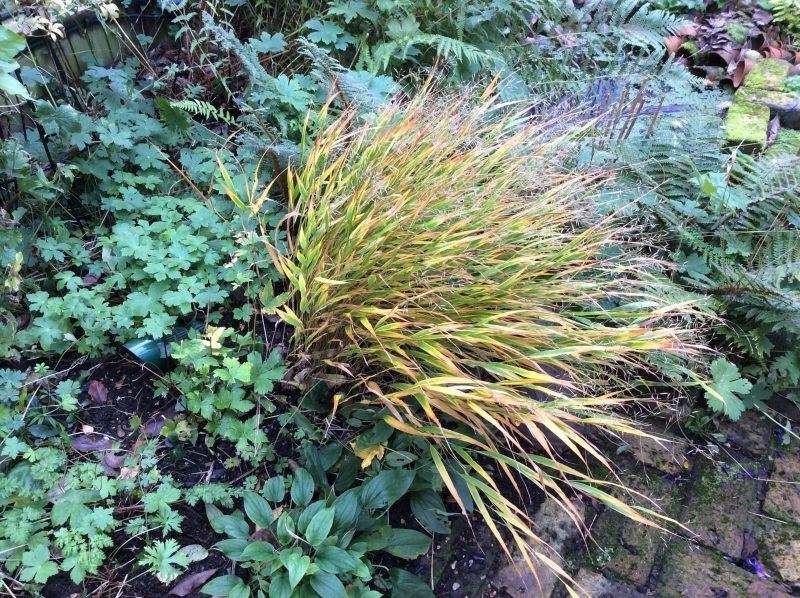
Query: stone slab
point(751, 433)
point(721, 502)
point(783, 105)
point(779, 551)
point(691, 571)
point(558, 530)
point(625, 549)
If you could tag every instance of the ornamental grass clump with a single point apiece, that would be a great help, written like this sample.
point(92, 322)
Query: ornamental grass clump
point(435, 259)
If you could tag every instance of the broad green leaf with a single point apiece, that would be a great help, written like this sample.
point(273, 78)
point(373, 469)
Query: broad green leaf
point(279, 586)
point(240, 590)
point(723, 394)
point(308, 514)
point(11, 44)
point(10, 85)
point(377, 539)
point(405, 584)
point(233, 548)
point(263, 552)
point(327, 585)
point(275, 489)
point(302, 487)
point(285, 529)
point(428, 508)
point(335, 560)
point(221, 586)
point(323, 32)
point(38, 566)
point(386, 488)
point(234, 526)
point(347, 506)
point(268, 44)
point(213, 514)
point(296, 564)
point(407, 543)
point(258, 509)
point(320, 526)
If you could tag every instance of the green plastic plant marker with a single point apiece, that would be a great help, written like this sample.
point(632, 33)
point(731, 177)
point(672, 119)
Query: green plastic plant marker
point(155, 353)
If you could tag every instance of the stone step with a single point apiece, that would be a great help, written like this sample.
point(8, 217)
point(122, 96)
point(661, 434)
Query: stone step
point(783, 105)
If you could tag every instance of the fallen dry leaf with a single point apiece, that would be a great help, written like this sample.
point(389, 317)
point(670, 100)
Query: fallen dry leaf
point(98, 392)
point(152, 427)
point(91, 442)
point(762, 17)
point(773, 128)
point(115, 461)
point(190, 583)
point(368, 454)
point(194, 552)
point(128, 473)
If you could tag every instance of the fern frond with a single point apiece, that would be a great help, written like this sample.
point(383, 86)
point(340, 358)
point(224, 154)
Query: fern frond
point(445, 47)
point(205, 109)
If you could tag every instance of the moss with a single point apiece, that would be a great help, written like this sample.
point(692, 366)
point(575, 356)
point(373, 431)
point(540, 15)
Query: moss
point(775, 545)
point(768, 73)
point(746, 123)
point(690, 47)
point(737, 31)
point(707, 487)
point(792, 85)
point(765, 97)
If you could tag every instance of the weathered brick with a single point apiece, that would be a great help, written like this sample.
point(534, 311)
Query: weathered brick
point(691, 571)
point(768, 74)
point(783, 105)
point(720, 504)
point(746, 124)
point(783, 492)
point(627, 549)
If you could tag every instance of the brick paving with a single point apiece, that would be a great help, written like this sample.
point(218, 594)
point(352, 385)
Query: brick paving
point(739, 501)
point(742, 507)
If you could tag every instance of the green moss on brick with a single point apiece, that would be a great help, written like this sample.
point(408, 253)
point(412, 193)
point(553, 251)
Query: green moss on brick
point(690, 47)
point(768, 73)
point(746, 123)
